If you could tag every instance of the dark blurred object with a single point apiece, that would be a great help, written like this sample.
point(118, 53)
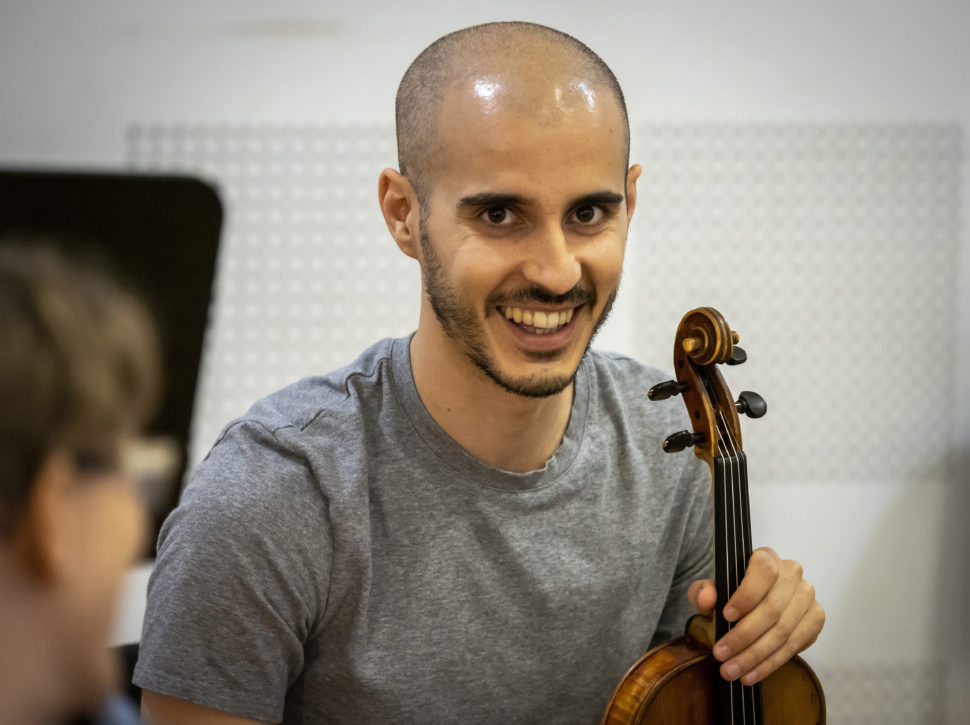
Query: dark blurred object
point(128, 655)
point(160, 236)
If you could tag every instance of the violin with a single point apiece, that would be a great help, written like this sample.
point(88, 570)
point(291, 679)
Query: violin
point(679, 682)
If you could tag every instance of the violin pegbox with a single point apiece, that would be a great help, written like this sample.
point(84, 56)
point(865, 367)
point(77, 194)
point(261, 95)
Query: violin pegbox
point(703, 341)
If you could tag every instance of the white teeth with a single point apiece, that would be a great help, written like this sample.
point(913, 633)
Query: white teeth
point(538, 318)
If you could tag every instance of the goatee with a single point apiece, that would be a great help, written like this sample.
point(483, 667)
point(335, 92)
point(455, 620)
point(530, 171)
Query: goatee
point(461, 324)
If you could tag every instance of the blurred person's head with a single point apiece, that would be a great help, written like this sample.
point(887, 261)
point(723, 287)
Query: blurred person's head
point(78, 377)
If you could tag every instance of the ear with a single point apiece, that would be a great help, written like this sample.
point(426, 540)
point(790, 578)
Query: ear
point(42, 539)
point(399, 204)
point(631, 190)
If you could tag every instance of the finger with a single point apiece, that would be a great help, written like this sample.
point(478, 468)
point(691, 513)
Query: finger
point(804, 635)
point(702, 595)
point(817, 615)
point(796, 628)
point(769, 613)
point(764, 569)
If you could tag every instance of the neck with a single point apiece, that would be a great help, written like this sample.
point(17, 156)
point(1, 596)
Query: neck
point(28, 664)
point(511, 432)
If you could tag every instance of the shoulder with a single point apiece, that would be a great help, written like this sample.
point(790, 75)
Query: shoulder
point(622, 369)
point(343, 391)
point(619, 386)
point(622, 408)
point(271, 460)
point(301, 417)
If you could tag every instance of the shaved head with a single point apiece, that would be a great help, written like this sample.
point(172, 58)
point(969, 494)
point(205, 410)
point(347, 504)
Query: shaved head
point(530, 67)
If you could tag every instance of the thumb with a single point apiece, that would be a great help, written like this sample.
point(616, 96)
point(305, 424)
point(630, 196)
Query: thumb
point(702, 595)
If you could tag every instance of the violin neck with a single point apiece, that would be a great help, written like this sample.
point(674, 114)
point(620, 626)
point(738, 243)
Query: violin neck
point(732, 529)
point(736, 703)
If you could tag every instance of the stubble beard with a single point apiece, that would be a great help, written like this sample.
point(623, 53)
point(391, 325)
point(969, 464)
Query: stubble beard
point(461, 325)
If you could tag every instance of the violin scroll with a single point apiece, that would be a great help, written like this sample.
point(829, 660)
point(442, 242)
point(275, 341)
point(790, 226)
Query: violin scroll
point(704, 340)
point(704, 337)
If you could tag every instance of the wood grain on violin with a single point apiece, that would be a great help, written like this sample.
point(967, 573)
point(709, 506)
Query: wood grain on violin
point(679, 682)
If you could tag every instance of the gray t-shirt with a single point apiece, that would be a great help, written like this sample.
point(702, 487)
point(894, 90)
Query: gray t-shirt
point(338, 558)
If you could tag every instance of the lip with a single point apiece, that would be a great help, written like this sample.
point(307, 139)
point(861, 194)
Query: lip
point(544, 343)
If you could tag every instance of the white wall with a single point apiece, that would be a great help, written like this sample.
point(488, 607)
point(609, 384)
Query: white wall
point(890, 560)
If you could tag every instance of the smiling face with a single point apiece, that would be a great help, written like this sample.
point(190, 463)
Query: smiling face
point(524, 227)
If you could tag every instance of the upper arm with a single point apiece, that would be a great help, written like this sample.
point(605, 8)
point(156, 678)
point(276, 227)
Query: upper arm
point(158, 709)
point(240, 581)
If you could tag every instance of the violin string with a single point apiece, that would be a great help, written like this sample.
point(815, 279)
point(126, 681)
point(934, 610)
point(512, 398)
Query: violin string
point(727, 578)
point(724, 577)
point(741, 544)
point(734, 690)
point(737, 697)
point(742, 700)
point(726, 444)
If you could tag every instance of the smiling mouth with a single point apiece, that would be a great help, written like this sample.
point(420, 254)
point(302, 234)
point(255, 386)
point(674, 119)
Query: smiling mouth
point(538, 322)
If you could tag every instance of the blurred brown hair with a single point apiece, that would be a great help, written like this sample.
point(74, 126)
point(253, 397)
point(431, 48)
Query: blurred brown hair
point(78, 366)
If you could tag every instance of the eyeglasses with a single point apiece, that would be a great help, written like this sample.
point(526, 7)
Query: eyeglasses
point(90, 460)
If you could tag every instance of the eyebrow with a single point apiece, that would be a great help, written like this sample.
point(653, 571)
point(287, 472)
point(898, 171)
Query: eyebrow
point(606, 198)
point(491, 199)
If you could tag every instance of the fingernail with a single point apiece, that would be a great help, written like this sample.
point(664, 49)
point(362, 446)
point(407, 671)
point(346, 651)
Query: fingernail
point(730, 613)
point(732, 670)
point(750, 678)
point(721, 652)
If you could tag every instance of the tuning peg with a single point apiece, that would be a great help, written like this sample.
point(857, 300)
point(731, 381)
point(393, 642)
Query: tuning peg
point(666, 389)
point(751, 404)
point(680, 440)
point(738, 356)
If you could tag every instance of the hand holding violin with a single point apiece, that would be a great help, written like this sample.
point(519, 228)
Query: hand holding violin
point(775, 613)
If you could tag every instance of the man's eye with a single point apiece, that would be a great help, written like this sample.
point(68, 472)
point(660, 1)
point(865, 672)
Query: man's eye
point(589, 214)
point(499, 216)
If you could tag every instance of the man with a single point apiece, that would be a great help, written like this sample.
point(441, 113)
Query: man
point(78, 374)
point(475, 524)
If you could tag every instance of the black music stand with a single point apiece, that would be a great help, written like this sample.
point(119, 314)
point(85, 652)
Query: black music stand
point(160, 235)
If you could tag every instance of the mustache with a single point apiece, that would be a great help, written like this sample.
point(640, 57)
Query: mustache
point(578, 295)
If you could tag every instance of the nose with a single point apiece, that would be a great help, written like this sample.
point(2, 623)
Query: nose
point(552, 261)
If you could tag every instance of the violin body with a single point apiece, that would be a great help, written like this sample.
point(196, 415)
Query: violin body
point(679, 683)
point(673, 684)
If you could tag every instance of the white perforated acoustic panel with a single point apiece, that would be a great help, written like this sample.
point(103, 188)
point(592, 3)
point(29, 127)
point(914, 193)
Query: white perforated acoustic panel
point(308, 275)
point(879, 694)
point(832, 250)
